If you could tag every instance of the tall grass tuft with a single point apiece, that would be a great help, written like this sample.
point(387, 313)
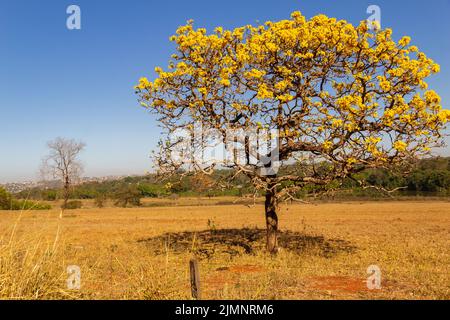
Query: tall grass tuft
point(31, 266)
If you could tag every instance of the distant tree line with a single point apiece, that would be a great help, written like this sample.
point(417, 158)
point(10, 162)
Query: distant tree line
point(429, 177)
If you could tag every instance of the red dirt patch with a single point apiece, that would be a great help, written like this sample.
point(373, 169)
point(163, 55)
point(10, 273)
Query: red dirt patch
point(336, 283)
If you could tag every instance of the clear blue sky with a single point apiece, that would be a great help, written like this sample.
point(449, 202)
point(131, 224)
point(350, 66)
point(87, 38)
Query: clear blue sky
point(79, 83)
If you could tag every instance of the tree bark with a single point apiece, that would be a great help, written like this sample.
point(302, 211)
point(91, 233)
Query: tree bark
point(271, 220)
point(66, 191)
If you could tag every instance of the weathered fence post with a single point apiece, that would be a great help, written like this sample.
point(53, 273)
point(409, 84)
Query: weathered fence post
point(195, 279)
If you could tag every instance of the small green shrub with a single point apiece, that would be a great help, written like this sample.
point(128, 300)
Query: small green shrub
point(100, 201)
point(7, 202)
point(29, 205)
point(75, 204)
point(5, 199)
point(128, 196)
point(49, 195)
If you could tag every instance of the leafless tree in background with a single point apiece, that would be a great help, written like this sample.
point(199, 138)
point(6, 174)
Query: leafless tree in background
point(62, 163)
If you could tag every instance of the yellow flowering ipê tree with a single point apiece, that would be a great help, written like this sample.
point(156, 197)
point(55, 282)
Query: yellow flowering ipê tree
point(342, 99)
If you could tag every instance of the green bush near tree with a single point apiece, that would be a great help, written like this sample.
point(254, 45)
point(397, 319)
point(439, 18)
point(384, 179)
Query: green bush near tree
point(129, 196)
point(100, 200)
point(71, 205)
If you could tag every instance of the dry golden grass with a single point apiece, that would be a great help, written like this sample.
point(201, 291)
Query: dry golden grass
point(143, 253)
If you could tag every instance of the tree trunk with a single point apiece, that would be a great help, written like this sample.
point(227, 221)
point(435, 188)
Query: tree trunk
point(66, 192)
point(271, 221)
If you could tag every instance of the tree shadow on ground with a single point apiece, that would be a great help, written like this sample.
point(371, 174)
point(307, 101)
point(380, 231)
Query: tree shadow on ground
point(234, 242)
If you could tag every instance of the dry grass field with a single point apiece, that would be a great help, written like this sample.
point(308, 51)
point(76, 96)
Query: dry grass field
point(143, 253)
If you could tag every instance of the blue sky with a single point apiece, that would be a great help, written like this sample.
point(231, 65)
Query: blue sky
point(79, 83)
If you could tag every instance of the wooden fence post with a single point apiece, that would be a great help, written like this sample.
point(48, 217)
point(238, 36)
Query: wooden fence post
point(195, 279)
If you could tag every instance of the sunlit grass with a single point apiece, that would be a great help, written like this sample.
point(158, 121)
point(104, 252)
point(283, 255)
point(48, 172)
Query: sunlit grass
point(120, 258)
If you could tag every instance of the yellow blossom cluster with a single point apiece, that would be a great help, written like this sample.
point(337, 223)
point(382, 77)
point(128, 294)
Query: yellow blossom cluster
point(400, 146)
point(318, 79)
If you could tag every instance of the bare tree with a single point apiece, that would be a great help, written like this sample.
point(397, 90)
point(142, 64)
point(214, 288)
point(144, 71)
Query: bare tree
point(62, 163)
